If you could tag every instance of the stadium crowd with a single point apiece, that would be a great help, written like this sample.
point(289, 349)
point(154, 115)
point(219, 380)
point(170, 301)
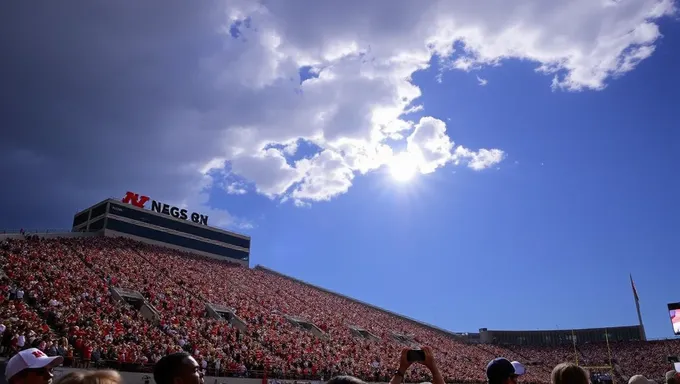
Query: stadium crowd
point(292, 329)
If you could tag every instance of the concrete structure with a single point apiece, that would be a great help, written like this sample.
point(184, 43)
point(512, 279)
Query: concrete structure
point(114, 218)
point(561, 336)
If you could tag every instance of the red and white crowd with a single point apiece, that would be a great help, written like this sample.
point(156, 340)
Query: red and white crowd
point(64, 283)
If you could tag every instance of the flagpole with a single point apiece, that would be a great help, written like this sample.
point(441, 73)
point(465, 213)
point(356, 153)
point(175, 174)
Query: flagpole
point(642, 326)
point(643, 334)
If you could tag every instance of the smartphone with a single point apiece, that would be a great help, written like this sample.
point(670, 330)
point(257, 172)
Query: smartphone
point(414, 355)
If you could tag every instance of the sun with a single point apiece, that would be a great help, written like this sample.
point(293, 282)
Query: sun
point(403, 167)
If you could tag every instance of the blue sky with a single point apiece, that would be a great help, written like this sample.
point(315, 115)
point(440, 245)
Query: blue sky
point(534, 195)
point(585, 196)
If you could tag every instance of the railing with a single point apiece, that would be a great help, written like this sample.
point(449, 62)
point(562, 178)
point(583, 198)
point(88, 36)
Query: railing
point(293, 377)
point(34, 231)
point(76, 362)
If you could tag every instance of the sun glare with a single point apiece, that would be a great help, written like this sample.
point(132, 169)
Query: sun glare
point(403, 167)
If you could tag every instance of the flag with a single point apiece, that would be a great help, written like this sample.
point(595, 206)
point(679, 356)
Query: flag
point(632, 284)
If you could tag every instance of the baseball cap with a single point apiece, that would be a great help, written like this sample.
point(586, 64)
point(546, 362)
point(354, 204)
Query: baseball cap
point(30, 359)
point(519, 368)
point(499, 369)
point(639, 379)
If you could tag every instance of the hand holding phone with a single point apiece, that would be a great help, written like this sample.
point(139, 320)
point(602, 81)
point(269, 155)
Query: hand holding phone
point(415, 355)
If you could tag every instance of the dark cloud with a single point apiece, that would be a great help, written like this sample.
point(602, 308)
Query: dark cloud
point(96, 98)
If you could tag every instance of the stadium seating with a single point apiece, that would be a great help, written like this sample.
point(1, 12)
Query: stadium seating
point(19, 320)
point(67, 283)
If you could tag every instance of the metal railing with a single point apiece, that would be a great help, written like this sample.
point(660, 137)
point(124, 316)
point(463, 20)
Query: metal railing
point(147, 368)
point(77, 362)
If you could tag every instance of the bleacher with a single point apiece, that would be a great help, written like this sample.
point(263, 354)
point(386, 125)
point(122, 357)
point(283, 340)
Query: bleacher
point(293, 330)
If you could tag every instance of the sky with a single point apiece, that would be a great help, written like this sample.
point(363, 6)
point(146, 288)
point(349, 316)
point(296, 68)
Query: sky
point(498, 164)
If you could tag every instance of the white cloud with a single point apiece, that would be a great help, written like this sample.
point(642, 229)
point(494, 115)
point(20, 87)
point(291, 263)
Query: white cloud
point(326, 175)
point(364, 66)
point(482, 82)
point(198, 200)
point(584, 41)
point(268, 169)
point(482, 159)
point(212, 103)
point(430, 145)
point(236, 188)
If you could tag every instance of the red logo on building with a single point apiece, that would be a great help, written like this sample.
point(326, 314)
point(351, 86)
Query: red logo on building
point(135, 199)
point(140, 201)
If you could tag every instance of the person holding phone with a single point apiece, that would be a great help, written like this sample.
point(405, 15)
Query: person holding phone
point(422, 356)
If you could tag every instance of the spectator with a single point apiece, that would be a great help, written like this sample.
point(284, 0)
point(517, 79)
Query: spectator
point(519, 368)
point(639, 379)
point(67, 284)
point(103, 376)
point(21, 341)
point(178, 366)
point(429, 362)
point(31, 366)
point(569, 373)
point(502, 371)
point(672, 377)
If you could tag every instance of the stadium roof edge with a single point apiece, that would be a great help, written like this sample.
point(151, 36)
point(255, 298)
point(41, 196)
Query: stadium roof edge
point(565, 329)
point(118, 201)
point(430, 326)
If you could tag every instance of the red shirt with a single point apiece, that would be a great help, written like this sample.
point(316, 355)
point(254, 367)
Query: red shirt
point(87, 353)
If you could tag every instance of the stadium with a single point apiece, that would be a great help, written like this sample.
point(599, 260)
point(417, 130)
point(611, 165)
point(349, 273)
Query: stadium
point(136, 279)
